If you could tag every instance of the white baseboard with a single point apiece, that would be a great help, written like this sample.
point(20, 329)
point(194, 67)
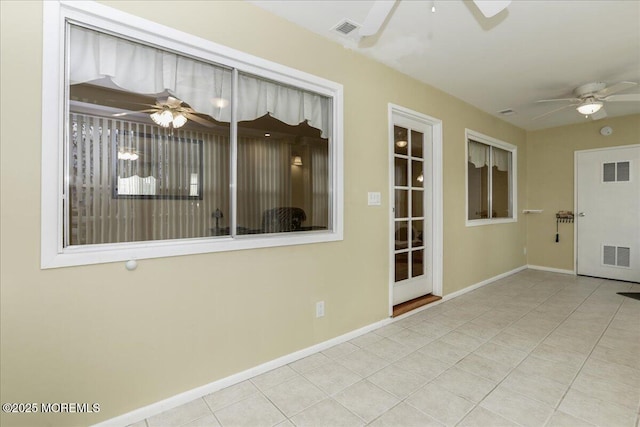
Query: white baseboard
point(186, 397)
point(552, 270)
point(461, 292)
point(483, 283)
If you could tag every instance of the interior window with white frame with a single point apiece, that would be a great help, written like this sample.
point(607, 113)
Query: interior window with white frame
point(159, 145)
point(491, 182)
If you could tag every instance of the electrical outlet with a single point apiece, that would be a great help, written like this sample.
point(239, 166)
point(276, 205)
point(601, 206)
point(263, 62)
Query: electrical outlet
point(524, 250)
point(320, 309)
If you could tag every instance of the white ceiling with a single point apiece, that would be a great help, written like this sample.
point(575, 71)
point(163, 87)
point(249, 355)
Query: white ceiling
point(533, 50)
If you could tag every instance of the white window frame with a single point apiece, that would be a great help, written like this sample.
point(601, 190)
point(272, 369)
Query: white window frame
point(513, 184)
point(54, 121)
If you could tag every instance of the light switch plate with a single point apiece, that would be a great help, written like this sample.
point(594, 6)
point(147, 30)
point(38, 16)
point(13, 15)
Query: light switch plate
point(374, 198)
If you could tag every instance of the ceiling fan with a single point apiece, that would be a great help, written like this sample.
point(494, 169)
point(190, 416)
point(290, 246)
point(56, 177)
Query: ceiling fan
point(171, 112)
point(381, 9)
point(589, 98)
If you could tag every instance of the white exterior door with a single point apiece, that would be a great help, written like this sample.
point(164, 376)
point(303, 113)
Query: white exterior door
point(412, 219)
point(608, 213)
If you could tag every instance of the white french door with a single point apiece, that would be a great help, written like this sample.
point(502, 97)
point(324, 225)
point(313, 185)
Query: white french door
point(414, 221)
point(608, 213)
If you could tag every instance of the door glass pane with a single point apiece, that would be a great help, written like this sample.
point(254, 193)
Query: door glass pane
point(409, 204)
point(417, 267)
point(401, 140)
point(500, 178)
point(402, 266)
point(417, 203)
point(401, 203)
point(401, 166)
point(417, 139)
point(417, 228)
point(417, 175)
point(402, 235)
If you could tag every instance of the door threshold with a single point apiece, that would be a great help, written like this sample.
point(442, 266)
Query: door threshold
point(410, 305)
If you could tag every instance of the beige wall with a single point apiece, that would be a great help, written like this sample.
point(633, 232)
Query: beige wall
point(550, 165)
point(127, 339)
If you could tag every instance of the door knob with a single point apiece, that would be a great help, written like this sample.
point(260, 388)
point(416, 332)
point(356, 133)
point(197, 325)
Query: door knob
point(581, 214)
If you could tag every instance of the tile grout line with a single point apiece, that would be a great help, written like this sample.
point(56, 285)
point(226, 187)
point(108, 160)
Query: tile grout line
point(530, 352)
point(412, 350)
point(214, 412)
point(477, 404)
point(589, 355)
point(586, 358)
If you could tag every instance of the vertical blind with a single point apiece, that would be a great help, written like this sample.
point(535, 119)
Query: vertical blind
point(264, 179)
point(110, 160)
point(320, 184)
point(130, 181)
point(98, 213)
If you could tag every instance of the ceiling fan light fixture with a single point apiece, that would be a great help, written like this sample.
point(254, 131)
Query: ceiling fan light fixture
point(162, 118)
point(169, 117)
point(126, 155)
point(178, 120)
point(590, 106)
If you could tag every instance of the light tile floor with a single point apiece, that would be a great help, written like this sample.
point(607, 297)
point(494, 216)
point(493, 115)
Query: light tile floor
point(533, 349)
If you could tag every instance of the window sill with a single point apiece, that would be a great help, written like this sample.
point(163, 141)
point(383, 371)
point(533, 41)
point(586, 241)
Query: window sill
point(478, 222)
point(99, 254)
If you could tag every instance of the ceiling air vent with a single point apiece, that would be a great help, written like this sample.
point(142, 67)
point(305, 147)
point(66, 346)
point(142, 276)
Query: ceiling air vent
point(507, 112)
point(345, 27)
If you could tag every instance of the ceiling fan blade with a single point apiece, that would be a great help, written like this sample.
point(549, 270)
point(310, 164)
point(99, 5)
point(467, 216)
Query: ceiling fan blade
point(600, 114)
point(560, 99)
point(118, 101)
point(548, 113)
point(198, 119)
point(126, 113)
point(376, 17)
point(618, 87)
point(490, 8)
point(171, 101)
point(627, 97)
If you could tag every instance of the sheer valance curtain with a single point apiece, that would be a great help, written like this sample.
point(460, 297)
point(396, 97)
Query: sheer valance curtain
point(479, 156)
point(205, 87)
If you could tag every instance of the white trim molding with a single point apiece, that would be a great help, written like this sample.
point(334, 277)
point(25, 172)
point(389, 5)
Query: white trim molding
point(551, 269)
point(56, 15)
point(436, 214)
point(189, 395)
point(513, 184)
point(483, 283)
point(198, 392)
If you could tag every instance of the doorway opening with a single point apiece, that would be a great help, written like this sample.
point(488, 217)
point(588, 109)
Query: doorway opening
point(607, 237)
point(415, 229)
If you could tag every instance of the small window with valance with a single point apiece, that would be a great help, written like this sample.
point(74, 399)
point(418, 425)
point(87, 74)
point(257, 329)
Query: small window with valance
point(490, 179)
